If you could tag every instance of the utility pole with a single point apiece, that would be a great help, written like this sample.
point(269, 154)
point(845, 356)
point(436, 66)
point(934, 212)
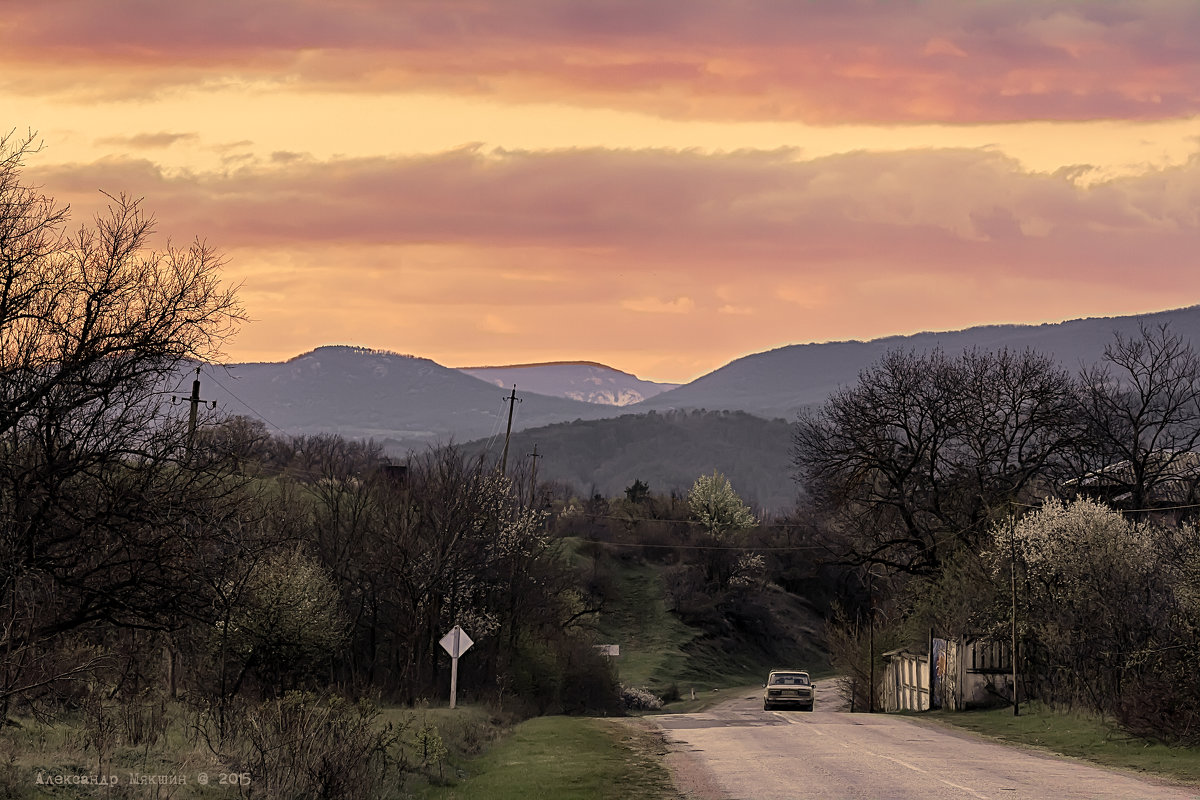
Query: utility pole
point(871, 622)
point(533, 476)
point(512, 402)
point(193, 415)
point(1012, 560)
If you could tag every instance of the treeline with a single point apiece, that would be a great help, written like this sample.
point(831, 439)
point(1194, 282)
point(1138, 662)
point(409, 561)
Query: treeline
point(958, 485)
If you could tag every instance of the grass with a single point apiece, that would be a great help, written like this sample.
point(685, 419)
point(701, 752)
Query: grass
point(1082, 736)
point(565, 758)
point(62, 747)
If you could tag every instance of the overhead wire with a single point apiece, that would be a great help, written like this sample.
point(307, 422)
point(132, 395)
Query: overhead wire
point(672, 546)
point(495, 427)
point(252, 410)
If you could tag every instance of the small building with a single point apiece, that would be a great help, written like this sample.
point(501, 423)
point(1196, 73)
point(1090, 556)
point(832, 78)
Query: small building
point(968, 672)
point(1171, 479)
point(906, 681)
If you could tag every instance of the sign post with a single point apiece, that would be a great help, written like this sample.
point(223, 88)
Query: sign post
point(455, 643)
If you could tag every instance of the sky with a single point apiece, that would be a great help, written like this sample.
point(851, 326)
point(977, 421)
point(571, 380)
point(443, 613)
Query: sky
point(659, 186)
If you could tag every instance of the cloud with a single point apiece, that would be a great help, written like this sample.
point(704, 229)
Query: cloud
point(820, 61)
point(666, 246)
point(953, 208)
point(149, 141)
point(654, 305)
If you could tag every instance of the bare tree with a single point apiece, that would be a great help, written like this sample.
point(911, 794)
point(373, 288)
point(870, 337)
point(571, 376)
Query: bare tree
point(97, 498)
point(1143, 410)
point(909, 463)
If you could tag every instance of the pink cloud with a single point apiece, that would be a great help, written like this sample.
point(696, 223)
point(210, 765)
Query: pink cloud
point(823, 62)
point(595, 253)
point(692, 215)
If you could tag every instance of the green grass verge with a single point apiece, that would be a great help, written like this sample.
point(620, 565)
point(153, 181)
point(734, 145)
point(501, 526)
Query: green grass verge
point(1079, 736)
point(564, 758)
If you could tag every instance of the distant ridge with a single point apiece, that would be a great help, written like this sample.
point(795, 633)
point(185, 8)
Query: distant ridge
point(780, 382)
point(354, 349)
point(586, 381)
point(409, 402)
point(364, 393)
point(547, 364)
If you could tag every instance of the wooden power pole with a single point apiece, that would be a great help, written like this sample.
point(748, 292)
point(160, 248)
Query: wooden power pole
point(512, 402)
point(1012, 559)
point(533, 476)
point(194, 413)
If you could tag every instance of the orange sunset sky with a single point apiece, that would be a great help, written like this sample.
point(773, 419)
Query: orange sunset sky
point(659, 186)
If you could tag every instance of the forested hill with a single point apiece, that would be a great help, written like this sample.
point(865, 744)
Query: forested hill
point(778, 383)
point(667, 451)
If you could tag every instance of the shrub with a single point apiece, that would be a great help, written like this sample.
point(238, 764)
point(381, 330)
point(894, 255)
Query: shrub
point(308, 745)
point(635, 698)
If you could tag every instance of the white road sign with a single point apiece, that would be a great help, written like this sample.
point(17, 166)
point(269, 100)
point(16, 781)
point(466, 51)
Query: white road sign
point(456, 642)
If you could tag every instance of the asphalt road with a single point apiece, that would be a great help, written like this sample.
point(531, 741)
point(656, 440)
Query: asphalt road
point(737, 750)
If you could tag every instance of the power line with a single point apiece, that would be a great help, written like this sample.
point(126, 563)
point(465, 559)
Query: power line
point(675, 519)
point(495, 427)
point(250, 408)
point(773, 549)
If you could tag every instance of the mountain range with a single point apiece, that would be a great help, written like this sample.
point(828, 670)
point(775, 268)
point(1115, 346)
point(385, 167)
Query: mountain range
point(782, 381)
point(407, 402)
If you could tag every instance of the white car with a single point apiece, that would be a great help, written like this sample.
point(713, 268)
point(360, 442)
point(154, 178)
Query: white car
point(788, 688)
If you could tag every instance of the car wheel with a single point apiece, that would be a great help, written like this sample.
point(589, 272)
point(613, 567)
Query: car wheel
point(766, 706)
point(808, 707)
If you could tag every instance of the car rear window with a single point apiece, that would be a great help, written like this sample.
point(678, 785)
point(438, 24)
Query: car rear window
point(789, 679)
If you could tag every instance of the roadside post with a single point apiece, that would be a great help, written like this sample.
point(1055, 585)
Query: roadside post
point(455, 643)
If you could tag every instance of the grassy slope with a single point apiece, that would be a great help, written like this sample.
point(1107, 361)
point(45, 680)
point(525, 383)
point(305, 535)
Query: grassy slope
point(652, 640)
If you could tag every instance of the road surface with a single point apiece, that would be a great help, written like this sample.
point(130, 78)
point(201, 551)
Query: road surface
point(737, 750)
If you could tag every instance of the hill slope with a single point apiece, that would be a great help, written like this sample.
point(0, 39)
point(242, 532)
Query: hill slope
point(779, 382)
point(410, 403)
point(741, 641)
point(361, 393)
point(666, 451)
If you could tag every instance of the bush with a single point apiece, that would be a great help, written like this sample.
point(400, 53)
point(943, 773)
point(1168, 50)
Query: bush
point(307, 745)
point(567, 676)
point(287, 625)
point(635, 698)
point(589, 683)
